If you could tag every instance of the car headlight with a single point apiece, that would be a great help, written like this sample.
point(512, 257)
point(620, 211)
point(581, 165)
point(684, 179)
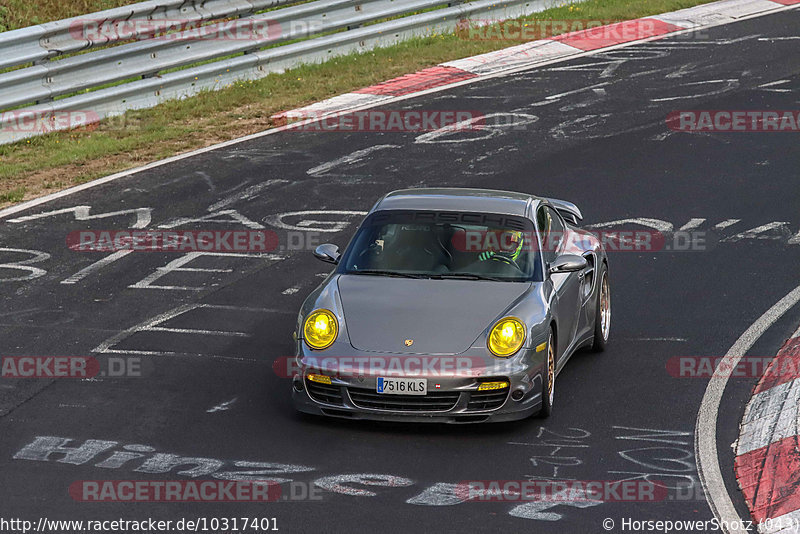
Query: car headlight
point(506, 337)
point(320, 329)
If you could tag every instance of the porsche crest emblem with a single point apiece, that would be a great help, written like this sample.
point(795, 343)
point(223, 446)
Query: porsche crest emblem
point(409, 342)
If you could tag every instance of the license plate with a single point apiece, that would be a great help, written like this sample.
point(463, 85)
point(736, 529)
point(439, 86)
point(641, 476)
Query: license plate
point(402, 386)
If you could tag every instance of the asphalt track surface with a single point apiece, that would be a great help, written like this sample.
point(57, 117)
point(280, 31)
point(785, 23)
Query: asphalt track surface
point(599, 139)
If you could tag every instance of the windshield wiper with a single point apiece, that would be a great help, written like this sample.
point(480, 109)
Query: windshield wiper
point(466, 276)
point(378, 272)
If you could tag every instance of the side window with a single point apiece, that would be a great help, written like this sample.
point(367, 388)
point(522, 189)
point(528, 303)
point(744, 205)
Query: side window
point(551, 229)
point(543, 223)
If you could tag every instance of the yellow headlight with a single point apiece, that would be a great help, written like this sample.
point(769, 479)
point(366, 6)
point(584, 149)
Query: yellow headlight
point(491, 386)
point(321, 379)
point(506, 337)
point(320, 329)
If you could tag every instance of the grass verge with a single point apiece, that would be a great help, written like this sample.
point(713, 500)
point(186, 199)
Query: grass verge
point(58, 160)
point(15, 14)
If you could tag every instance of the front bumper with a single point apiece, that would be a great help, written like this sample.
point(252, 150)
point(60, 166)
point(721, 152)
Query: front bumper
point(451, 398)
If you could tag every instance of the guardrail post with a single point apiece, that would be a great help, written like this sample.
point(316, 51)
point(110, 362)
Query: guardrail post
point(354, 26)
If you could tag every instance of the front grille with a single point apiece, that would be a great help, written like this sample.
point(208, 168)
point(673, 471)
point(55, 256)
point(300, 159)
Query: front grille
point(436, 401)
point(487, 400)
point(324, 393)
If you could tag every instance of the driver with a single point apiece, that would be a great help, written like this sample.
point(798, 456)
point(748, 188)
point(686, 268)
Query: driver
point(515, 240)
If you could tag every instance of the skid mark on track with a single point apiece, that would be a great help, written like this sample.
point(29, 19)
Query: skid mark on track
point(349, 159)
point(671, 339)
point(242, 196)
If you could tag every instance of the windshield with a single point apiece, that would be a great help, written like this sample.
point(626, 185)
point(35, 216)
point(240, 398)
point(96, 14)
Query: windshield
point(425, 244)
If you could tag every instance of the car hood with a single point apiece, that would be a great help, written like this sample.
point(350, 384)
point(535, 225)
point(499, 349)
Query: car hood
point(440, 316)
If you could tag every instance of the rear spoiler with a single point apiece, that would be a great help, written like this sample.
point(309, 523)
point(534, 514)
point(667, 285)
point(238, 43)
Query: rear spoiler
point(568, 210)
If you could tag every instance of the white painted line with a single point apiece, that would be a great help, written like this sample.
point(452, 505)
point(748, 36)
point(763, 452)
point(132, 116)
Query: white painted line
point(187, 354)
point(177, 265)
point(223, 406)
point(771, 85)
point(675, 339)
point(83, 213)
point(216, 217)
point(96, 266)
point(657, 224)
point(140, 352)
point(290, 290)
point(693, 223)
point(765, 231)
point(705, 438)
point(106, 345)
point(571, 445)
point(243, 308)
point(726, 223)
point(197, 332)
point(153, 323)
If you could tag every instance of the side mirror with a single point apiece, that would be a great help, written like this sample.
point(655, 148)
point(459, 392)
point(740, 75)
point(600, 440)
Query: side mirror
point(329, 253)
point(568, 263)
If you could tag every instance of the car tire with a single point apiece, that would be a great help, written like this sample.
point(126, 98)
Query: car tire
point(549, 379)
point(602, 315)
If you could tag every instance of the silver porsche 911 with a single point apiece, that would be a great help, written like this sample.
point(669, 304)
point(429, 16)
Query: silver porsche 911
point(452, 305)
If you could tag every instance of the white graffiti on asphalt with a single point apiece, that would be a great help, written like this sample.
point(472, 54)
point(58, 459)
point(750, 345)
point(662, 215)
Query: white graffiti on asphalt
point(731, 230)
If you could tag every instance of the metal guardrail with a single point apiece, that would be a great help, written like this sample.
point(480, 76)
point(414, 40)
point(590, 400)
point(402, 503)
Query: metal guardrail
point(149, 57)
point(147, 72)
point(47, 41)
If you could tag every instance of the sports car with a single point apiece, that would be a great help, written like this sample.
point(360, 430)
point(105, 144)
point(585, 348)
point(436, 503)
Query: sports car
point(451, 305)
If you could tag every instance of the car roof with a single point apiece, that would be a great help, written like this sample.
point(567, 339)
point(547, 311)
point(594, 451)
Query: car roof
point(459, 199)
